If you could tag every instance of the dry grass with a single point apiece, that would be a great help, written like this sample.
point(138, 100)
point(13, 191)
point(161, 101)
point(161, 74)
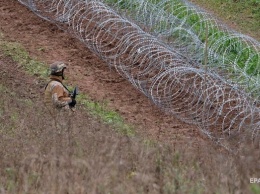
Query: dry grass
point(86, 156)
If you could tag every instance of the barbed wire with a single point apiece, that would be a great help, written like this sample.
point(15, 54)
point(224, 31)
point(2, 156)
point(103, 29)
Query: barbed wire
point(184, 71)
point(185, 27)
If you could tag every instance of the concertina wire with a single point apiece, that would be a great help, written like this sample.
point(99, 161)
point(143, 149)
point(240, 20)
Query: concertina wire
point(184, 60)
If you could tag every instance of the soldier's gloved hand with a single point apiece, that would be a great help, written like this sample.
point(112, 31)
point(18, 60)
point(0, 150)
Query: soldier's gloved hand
point(73, 102)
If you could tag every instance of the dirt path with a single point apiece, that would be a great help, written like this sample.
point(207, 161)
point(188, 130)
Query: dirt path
point(47, 43)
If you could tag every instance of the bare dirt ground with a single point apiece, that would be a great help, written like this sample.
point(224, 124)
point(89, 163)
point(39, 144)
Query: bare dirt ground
point(47, 43)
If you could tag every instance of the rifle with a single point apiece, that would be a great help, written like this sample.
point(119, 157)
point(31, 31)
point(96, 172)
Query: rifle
point(74, 93)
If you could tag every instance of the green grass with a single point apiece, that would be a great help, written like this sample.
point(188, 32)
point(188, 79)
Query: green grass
point(11, 174)
point(34, 67)
point(19, 54)
point(107, 116)
point(234, 45)
point(255, 188)
point(233, 50)
point(244, 15)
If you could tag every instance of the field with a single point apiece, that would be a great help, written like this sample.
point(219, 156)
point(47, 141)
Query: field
point(116, 142)
point(242, 16)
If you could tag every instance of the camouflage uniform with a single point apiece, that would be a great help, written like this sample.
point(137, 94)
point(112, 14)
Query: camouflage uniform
point(57, 97)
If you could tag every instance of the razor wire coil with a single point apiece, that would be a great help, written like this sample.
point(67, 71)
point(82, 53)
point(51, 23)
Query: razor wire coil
point(162, 55)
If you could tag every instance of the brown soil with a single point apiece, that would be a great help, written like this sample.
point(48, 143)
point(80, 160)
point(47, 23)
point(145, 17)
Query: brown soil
point(48, 43)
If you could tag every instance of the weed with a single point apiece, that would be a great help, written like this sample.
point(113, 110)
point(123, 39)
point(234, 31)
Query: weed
point(107, 116)
point(19, 54)
point(255, 189)
point(11, 176)
point(245, 14)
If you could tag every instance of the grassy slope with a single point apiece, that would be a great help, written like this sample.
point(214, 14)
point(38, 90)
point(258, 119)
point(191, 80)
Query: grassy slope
point(31, 146)
point(90, 158)
point(84, 156)
point(34, 67)
point(243, 16)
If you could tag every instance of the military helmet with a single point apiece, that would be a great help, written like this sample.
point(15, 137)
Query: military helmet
point(57, 68)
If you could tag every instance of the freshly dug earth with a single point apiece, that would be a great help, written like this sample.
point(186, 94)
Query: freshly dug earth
point(47, 43)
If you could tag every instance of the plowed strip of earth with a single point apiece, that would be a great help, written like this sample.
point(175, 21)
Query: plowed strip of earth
point(48, 43)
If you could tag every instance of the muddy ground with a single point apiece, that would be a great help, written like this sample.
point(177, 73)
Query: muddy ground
point(48, 43)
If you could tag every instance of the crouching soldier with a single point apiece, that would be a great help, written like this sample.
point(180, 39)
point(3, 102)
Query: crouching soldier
point(57, 96)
